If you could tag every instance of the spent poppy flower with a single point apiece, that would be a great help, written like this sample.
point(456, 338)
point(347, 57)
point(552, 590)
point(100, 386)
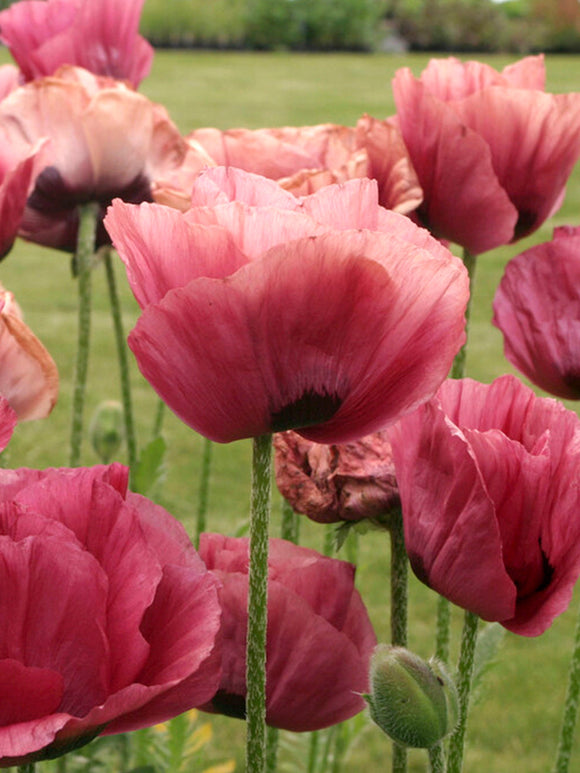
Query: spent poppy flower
point(105, 140)
point(128, 640)
point(492, 150)
point(537, 308)
point(331, 483)
point(489, 482)
point(319, 638)
point(303, 159)
point(28, 374)
point(99, 35)
point(261, 318)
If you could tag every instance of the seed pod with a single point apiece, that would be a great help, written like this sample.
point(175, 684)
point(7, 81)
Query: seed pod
point(107, 429)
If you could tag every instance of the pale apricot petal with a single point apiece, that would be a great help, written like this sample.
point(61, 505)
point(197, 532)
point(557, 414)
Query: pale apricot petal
point(224, 184)
point(28, 374)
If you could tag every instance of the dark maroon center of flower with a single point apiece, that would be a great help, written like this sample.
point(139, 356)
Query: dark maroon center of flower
point(572, 380)
point(533, 577)
point(310, 408)
point(527, 222)
point(229, 705)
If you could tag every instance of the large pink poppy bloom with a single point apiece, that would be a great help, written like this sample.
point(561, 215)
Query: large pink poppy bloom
point(537, 308)
point(99, 35)
point(28, 374)
point(306, 158)
point(319, 639)
point(489, 479)
point(331, 483)
point(105, 140)
point(261, 314)
point(110, 616)
point(492, 151)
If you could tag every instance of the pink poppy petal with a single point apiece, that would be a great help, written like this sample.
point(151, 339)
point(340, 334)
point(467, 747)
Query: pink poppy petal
point(27, 692)
point(222, 184)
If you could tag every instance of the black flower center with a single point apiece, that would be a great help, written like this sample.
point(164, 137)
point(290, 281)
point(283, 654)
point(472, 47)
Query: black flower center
point(310, 408)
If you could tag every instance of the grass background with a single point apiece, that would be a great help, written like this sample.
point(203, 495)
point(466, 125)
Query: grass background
point(514, 724)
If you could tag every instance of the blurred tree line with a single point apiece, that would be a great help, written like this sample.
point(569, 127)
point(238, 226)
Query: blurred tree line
point(519, 26)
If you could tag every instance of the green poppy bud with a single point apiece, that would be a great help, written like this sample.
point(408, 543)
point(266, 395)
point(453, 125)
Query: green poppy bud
point(107, 429)
point(413, 701)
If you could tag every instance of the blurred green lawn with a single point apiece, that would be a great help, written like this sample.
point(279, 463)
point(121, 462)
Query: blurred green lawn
point(514, 723)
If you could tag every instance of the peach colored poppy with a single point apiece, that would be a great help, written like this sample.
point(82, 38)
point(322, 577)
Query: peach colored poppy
point(105, 141)
point(28, 374)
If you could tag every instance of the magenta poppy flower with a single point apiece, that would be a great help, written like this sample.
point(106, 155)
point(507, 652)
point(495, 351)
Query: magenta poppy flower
point(99, 35)
point(489, 479)
point(110, 615)
point(268, 316)
point(537, 308)
point(492, 151)
point(105, 141)
point(319, 639)
point(28, 374)
point(331, 483)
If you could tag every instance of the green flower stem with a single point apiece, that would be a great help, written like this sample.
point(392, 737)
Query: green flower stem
point(88, 217)
point(123, 361)
point(29, 768)
point(437, 758)
point(570, 709)
point(328, 547)
point(202, 499)
point(290, 523)
point(272, 734)
point(313, 751)
point(399, 581)
point(457, 371)
point(158, 424)
point(464, 674)
point(258, 606)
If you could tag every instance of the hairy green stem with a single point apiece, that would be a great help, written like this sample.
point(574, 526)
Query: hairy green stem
point(258, 606)
point(290, 523)
point(203, 496)
point(437, 758)
point(313, 751)
point(272, 734)
point(399, 582)
point(464, 675)
point(443, 629)
point(123, 359)
point(568, 727)
point(158, 423)
point(88, 217)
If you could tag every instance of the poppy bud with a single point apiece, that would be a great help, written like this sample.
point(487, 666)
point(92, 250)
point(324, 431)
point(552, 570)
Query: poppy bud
point(412, 701)
point(107, 429)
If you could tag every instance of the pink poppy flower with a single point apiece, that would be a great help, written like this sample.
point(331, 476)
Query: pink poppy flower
point(28, 374)
point(268, 316)
point(105, 141)
point(8, 421)
point(489, 483)
point(331, 483)
point(306, 158)
point(99, 35)
point(492, 151)
point(319, 639)
point(537, 308)
point(128, 640)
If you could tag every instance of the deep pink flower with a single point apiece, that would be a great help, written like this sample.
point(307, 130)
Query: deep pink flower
point(99, 35)
point(492, 151)
point(537, 308)
point(331, 483)
point(110, 617)
point(267, 315)
point(304, 159)
point(489, 479)
point(28, 374)
point(319, 639)
point(105, 141)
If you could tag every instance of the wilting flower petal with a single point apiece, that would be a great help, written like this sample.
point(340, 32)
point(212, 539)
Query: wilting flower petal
point(331, 483)
point(489, 484)
point(99, 35)
point(491, 150)
point(129, 639)
point(28, 374)
point(105, 141)
point(319, 639)
point(537, 308)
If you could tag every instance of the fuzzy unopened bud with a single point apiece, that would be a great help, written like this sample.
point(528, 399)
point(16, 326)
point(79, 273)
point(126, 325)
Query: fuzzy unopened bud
point(413, 701)
point(107, 429)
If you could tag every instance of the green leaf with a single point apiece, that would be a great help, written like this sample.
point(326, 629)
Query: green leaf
point(150, 468)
